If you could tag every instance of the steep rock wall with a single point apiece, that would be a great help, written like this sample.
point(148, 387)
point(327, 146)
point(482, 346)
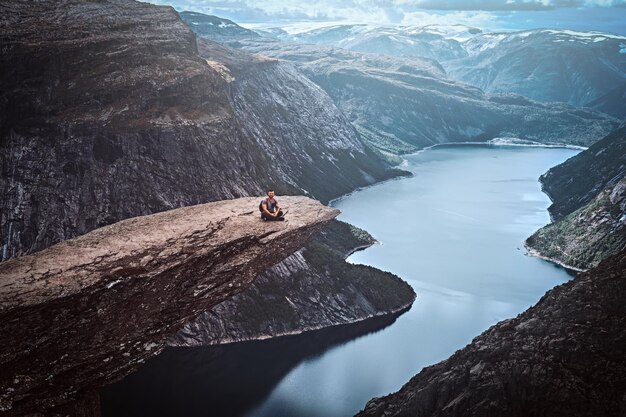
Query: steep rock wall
point(565, 356)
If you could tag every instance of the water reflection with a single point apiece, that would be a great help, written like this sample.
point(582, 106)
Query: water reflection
point(227, 380)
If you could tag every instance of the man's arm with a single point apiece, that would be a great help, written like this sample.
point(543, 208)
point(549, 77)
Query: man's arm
point(266, 211)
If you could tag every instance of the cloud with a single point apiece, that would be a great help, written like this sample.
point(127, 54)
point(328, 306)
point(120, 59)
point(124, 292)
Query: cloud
point(481, 19)
point(486, 14)
point(485, 5)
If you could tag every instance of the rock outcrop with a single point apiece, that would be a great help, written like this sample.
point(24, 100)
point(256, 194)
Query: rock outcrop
point(312, 289)
point(107, 111)
point(578, 180)
point(589, 206)
point(85, 312)
point(566, 356)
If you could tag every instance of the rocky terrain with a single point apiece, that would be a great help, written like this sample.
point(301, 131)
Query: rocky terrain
point(309, 142)
point(107, 111)
point(589, 205)
point(586, 236)
point(312, 289)
point(87, 311)
point(578, 180)
point(565, 356)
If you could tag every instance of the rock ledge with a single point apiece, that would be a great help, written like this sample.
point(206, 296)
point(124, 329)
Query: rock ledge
point(85, 312)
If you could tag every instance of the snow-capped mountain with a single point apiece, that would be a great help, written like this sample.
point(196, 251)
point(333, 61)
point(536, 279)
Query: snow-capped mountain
point(433, 41)
point(578, 68)
point(215, 27)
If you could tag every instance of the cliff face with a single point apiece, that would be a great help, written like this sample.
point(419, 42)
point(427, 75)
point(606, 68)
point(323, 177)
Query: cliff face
point(107, 112)
point(588, 235)
point(306, 137)
point(578, 180)
point(589, 205)
point(565, 356)
point(312, 289)
point(87, 311)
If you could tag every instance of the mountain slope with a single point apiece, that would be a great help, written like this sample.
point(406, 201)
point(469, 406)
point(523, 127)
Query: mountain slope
point(107, 111)
point(400, 105)
point(578, 180)
point(565, 356)
point(589, 205)
point(588, 235)
point(547, 65)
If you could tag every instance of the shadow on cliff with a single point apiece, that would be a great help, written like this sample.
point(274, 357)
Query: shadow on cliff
point(225, 379)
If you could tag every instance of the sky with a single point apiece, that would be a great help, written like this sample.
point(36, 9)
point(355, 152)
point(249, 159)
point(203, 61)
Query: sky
point(490, 15)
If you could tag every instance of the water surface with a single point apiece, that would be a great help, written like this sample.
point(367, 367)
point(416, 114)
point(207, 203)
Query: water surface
point(454, 231)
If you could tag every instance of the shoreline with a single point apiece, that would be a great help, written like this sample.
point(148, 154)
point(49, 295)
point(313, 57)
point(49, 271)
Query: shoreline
point(360, 248)
point(365, 187)
point(530, 251)
point(501, 144)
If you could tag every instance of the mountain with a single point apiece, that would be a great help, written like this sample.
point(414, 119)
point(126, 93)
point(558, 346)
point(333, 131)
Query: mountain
point(215, 27)
point(578, 68)
point(584, 69)
point(312, 289)
point(612, 102)
point(578, 180)
point(565, 356)
point(400, 105)
point(108, 111)
point(588, 235)
point(113, 110)
point(589, 205)
point(434, 42)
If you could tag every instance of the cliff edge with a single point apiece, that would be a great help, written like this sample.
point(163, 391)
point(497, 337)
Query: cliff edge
point(312, 289)
point(86, 312)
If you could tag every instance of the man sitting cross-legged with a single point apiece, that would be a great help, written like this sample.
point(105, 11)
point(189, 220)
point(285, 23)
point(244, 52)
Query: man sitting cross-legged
point(270, 210)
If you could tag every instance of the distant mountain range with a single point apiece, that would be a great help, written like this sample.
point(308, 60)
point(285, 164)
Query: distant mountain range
point(216, 27)
point(584, 69)
point(581, 69)
point(401, 104)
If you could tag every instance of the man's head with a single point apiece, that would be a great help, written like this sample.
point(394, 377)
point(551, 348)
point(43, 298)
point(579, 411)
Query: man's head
point(271, 194)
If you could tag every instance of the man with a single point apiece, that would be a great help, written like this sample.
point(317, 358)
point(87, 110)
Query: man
point(270, 210)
